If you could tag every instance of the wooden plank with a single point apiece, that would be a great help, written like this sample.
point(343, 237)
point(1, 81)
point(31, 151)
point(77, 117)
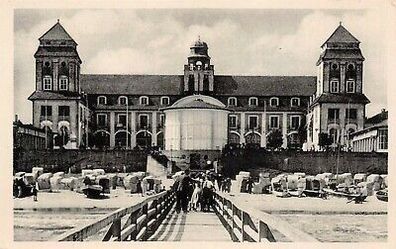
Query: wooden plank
point(81, 233)
point(141, 234)
point(127, 231)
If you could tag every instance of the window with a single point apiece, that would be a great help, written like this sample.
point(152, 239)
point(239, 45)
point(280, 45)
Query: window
point(333, 114)
point(383, 139)
point(274, 122)
point(350, 86)
point(162, 120)
point(253, 122)
point(232, 101)
point(295, 102)
point(144, 100)
point(122, 120)
point(47, 82)
point(274, 101)
point(164, 100)
point(294, 122)
point(334, 86)
point(191, 66)
point(122, 100)
point(143, 121)
point(46, 110)
point(101, 120)
point(253, 101)
point(232, 121)
point(334, 135)
point(63, 83)
point(351, 114)
point(63, 111)
point(102, 100)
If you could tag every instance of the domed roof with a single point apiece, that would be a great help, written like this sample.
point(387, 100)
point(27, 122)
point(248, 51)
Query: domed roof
point(195, 102)
point(199, 43)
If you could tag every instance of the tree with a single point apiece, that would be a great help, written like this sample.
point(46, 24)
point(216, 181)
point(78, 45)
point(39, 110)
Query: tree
point(275, 139)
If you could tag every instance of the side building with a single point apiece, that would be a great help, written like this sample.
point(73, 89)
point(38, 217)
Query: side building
point(374, 137)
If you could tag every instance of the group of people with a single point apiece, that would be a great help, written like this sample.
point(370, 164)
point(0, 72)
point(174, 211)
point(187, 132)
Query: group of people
point(194, 192)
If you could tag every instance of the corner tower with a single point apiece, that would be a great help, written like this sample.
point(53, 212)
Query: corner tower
point(338, 106)
point(58, 103)
point(198, 73)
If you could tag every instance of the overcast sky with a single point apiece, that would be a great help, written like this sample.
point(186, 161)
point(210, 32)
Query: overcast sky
point(241, 42)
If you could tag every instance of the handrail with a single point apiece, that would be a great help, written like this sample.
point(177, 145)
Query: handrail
point(239, 223)
point(143, 219)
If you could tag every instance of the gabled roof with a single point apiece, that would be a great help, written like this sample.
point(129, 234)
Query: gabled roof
point(342, 35)
point(224, 85)
point(57, 32)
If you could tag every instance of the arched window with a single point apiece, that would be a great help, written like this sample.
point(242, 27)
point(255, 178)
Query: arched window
point(206, 83)
point(199, 65)
point(102, 100)
point(232, 101)
point(191, 83)
point(295, 101)
point(253, 101)
point(274, 101)
point(63, 80)
point(165, 100)
point(144, 100)
point(350, 86)
point(122, 100)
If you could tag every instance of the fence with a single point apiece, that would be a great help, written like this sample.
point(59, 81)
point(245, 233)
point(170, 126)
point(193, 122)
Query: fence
point(242, 226)
point(140, 221)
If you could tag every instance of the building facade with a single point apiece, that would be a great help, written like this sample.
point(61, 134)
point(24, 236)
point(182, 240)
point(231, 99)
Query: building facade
point(374, 137)
point(197, 110)
point(29, 137)
point(337, 108)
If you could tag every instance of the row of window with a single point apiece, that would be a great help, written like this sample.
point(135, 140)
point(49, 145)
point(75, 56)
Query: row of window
point(273, 122)
point(63, 83)
point(101, 120)
point(334, 113)
point(253, 101)
point(123, 100)
point(46, 111)
point(335, 86)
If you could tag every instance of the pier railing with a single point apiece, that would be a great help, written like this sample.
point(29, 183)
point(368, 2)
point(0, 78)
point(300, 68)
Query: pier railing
point(253, 226)
point(137, 222)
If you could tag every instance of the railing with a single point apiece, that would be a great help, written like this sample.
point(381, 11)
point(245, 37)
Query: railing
point(242, 226)
point(141, 222)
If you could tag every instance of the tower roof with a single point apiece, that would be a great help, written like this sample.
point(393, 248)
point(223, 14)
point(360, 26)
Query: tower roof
point(57, 32)
point(341, 35)
point(199, 43)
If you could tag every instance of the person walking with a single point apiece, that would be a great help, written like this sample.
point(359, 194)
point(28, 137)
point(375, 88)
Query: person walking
point(181, 187)
point(207, 194)
point(196, 197)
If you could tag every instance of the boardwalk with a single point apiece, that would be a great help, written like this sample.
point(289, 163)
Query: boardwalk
point(193, 226)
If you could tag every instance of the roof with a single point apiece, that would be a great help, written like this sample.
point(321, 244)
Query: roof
point(57, 32)
point(341, 35)
point(329, 54)
point(196, 104)
point(378, 118)
point(265, 85)
point(37, 95)
point(342, 98)
point(173, 85)
point(57, 51)
point(371, 128)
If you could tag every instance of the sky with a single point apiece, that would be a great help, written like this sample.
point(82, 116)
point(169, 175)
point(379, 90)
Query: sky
point(241, 42)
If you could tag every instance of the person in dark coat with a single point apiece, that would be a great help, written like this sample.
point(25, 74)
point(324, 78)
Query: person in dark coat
point(182, 189)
